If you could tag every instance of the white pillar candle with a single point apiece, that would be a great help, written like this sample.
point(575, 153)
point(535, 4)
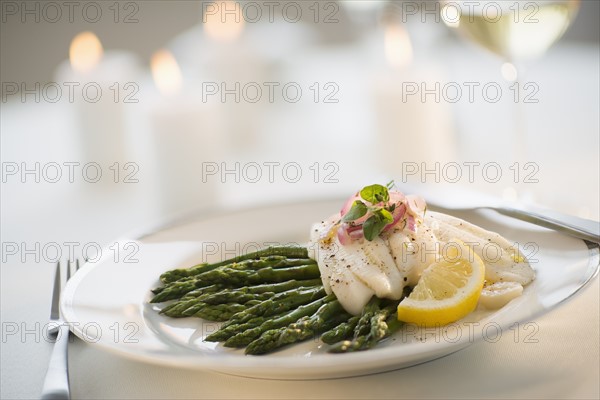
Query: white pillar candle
point(233, 71)
point(103, 83)
point(185, 135)
point(410, 128)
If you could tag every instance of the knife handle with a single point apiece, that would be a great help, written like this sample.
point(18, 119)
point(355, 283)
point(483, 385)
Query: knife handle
point(579, 227)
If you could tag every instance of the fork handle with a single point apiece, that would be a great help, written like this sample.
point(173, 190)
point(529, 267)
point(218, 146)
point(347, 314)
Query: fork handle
point(574, 226)
point(56, 383)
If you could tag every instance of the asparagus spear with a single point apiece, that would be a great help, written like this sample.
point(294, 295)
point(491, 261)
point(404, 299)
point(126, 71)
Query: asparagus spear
point(274, 262)
point(372, 326)
point(233, 297)
point(255, 316)
point(265, 287)
point(194, 294)
point(271, 261)
point(226, 332)
point(229, 329)
point(340, 332)
point(239, 295)
point(285, 251)
point(364, 323)
point(177, 290)
point(222, 312)
point(381, 326)
point(326, 317)
point(186, 308)
point(229, 295)
point(205, 290)
point(264, 275)
point(277, 304)
point(244, 338)
point(179, 273)
point(232, 277)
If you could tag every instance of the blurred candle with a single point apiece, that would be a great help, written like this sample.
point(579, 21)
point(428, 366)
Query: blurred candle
point(218, 21)
point(185, 136)
point(410, 128)
point(235, 64)
point(230, 68)
point(102, 83)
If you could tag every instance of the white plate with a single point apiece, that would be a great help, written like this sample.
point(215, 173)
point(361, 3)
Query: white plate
point(107, 301)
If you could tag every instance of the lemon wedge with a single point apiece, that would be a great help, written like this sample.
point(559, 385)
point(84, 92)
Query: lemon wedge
point(448, 289)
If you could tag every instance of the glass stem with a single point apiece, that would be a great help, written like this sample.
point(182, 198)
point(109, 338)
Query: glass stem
point(520, 120)
point(520, 148)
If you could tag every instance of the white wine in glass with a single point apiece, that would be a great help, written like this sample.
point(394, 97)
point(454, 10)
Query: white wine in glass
point(515, 30)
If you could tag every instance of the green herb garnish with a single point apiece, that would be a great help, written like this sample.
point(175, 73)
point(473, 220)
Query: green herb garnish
point(375, 194)
point(380, 210)
point(358, 210)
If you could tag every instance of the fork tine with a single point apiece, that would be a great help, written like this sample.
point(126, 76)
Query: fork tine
point(54, 313)
point(77, 265)
point(68, 270)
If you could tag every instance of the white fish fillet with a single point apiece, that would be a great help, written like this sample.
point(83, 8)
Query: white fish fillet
point(351, 292)
point(503, 261)
point(383, 267)
point(413, 251)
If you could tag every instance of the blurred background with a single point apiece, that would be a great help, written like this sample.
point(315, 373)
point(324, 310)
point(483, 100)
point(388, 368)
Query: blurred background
point(31, 51)
point(118, 114)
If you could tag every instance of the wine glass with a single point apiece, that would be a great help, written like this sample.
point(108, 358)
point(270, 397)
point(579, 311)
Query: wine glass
point(516, 31)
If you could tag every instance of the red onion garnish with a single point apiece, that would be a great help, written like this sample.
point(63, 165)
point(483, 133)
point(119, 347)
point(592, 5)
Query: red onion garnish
point(347, 233)
point(398, 214)
point(411, 223)
point(343, 236)
point(408, 209)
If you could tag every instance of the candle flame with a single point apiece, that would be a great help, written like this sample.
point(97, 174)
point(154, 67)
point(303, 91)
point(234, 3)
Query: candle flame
point(223, 20)
point(166, 72)
point(85, 52)
point(398, 49)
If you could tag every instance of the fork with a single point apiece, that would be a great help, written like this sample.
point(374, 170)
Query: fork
point(56, 383)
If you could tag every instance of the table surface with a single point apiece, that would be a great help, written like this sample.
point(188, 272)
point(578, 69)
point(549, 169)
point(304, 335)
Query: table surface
point(563, 363)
